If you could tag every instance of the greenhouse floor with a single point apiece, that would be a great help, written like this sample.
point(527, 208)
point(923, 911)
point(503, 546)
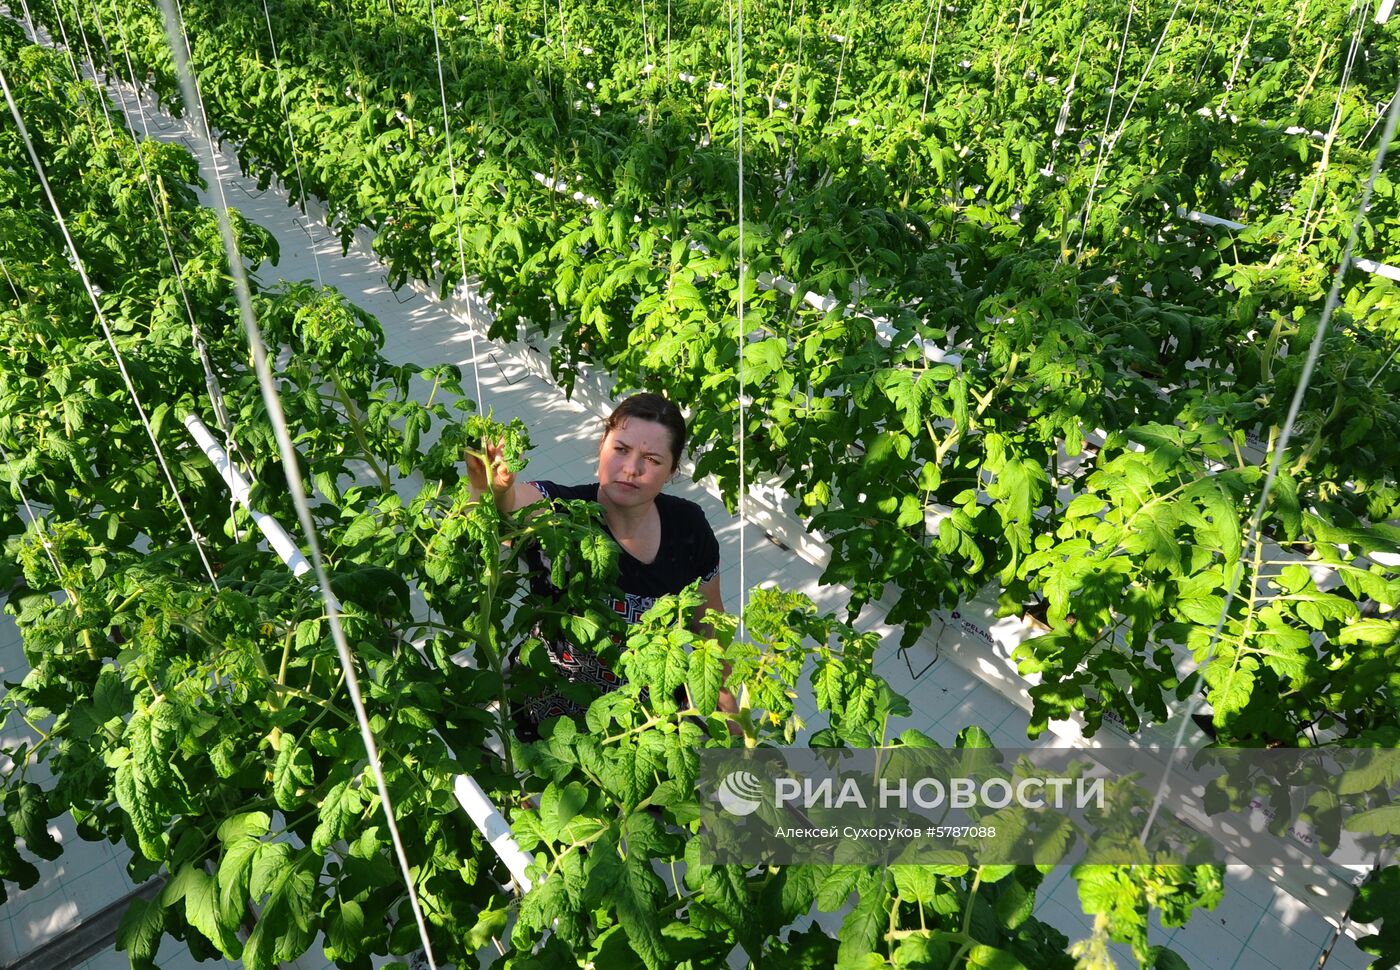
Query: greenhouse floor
point(1256, 927)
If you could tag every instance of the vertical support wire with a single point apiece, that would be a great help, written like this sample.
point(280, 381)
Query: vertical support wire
point(796, 100)
point(29, 21)
point(67, 44)
point(841, 65)
point(73, 62)
point(1107, 120)
point(1239, 56)
point(456, 206)
point(193, 104)
point(292, 140)
point(211, 382)
point(1106, 148)
point(743, 339)
point(35, 522)
point(131, 76)
point(215, 390)
point(110, 66)
point(1256, 522)
point(1361, 9)
point(928, 78)
point(10, 280)
point(1210, 40)
point(102, 322)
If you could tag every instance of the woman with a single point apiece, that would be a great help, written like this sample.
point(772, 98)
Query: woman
point(666, 542)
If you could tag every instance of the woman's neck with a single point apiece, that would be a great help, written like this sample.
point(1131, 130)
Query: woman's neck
point(625, 522)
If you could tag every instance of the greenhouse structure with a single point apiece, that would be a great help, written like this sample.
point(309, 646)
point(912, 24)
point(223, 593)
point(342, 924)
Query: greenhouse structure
point(1030, 368)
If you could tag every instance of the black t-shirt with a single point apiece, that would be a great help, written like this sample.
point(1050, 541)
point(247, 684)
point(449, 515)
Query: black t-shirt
point(688, 551)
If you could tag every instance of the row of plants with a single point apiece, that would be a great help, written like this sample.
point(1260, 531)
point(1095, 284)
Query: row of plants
point(1133, 550)
point(201, 720)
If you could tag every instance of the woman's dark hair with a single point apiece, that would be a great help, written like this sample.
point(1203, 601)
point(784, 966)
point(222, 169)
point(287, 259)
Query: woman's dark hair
point(647, 406)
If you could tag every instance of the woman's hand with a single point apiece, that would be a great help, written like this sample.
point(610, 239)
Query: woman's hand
point(503, 486)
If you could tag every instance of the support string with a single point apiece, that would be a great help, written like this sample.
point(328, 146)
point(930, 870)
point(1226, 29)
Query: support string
point(743, 338)
point(1256, 522)
point(273, 403)
point(456, 202)
point(211, 382)
point(292, 139)
point(102, 321)
point(1361, 10)
point(1106, 148)
point(34, 520)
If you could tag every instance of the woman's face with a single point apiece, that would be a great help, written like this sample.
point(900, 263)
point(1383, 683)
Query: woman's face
point(634, 462)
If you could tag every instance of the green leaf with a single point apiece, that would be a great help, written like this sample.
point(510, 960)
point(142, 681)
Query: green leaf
point(28, 809)
point(866, 922)
point(136, 796)
point(685, 296)
point(1165, 959)
point(490, 924)
point(308, 634)
point(1378, 821)
point(1085, 505)
point(1370, 630)
point(1154, 537)
point(973, 737)
point(920, 952)
point(202, 912)
point(240, 835)
point(840, 881)
point(636, 896)
point(915, 884)
point(342, 806)
point(1231, 684)
point(764, 357)
point(271, 864)
point(292, 771)
point(286, 925)
point(1379, 768)
point(559, 806)
point(705, 676)
point(345, 931)
point(990, 958)
point(141, 929)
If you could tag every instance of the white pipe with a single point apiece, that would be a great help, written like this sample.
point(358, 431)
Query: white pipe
point(1384, 10)
point(271, 529)
point(1365, 265)
point(1207, 220)
point(492, 823)
point(1380, 269)
point(494, 827)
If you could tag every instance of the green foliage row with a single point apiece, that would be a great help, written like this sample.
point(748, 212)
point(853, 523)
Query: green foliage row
point(982, 418)
point(877, 441)
point(205, 725)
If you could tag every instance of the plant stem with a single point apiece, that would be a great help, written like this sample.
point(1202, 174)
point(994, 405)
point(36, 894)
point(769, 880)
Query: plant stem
point(357, 426)
point(968, 941)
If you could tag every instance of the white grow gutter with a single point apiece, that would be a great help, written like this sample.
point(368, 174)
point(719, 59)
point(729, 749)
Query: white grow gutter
point(492, 824)
point(271, 529)
point(1365, 265)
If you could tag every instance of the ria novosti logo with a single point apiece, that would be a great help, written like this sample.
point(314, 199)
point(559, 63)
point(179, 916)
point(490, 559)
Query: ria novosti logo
point(740, 793)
